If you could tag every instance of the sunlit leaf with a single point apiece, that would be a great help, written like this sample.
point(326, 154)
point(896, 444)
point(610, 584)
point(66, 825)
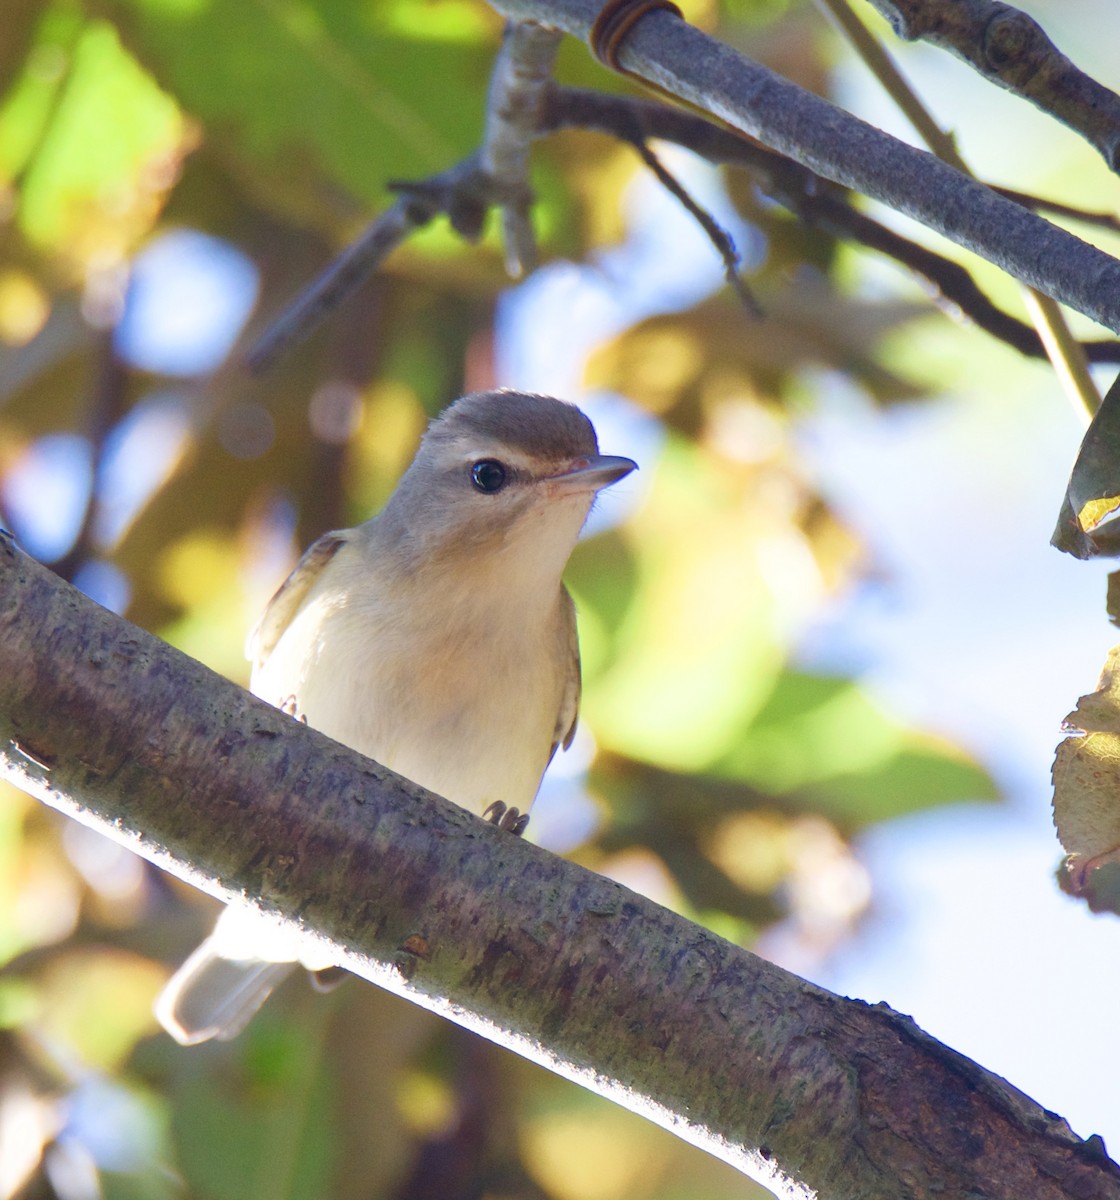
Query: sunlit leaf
point(827, 743)
point(31, 87)
point(307, 96)
point(582, 1154)
point(698, 648)
point(39, 896)
point(101, 163)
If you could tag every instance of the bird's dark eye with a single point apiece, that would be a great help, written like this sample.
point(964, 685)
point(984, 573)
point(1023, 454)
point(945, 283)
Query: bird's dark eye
point(489, 475)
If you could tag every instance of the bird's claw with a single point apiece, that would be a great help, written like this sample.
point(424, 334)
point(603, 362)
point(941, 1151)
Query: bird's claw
point(512, 820)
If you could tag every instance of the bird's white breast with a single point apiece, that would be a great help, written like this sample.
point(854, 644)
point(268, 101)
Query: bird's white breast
point(456, 688)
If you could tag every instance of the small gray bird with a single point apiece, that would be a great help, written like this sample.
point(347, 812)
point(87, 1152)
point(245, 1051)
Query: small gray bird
point(437, 639)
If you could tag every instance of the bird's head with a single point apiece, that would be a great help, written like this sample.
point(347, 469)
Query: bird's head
point(505, 475)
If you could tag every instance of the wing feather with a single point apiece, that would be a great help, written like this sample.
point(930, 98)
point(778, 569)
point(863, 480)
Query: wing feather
point(289, 597)
point(568, 717)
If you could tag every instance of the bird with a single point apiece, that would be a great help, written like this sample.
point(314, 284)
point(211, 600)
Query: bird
point(437, 638)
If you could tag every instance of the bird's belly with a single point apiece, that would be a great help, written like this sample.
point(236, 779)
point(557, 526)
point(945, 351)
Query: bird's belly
point(471, 735)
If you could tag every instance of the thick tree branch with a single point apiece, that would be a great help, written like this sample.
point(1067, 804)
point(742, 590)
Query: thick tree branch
point(802, 1090)
point(1011, 49)
point(685, 62)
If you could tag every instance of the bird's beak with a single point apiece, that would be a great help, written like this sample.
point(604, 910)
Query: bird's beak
point(591, 474)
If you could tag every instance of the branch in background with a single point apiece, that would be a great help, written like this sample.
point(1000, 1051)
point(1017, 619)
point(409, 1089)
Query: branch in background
point(1103, 220)
point(521, 73)
point(800, 1089)
point(344, 276)
point(468, 190)
point(808, 196)
point(716, 234)
point(1010, 48)
point(495, 176)
point(465, 193)
point(1062, 348)
point(700, 70)
point(106, 404)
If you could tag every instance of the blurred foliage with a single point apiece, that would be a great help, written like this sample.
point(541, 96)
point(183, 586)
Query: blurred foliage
point(727, 781)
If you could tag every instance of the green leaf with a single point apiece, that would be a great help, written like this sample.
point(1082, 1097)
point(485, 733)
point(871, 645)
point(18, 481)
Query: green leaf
point(694, 653)
point(266, 1129)
point(826, 746)
point(33, 56)
point(921, 774)
point(310, 99)
point(85, 141)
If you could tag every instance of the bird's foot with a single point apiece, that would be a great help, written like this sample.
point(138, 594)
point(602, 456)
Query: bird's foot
point(291, 707)
point(326, 979)
point(513, 820)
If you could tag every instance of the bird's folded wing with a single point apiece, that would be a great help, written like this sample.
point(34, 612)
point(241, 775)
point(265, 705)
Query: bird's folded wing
point(290, 596)
point(568, 716)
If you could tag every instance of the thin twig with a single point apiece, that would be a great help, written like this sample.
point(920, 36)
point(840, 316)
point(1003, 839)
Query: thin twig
point(466, 191)
point(813, 200)
point(521, 73)
point(717, 235)
point(1066, 356)
point(1105, 220)
point(697, 68)
point(494, 176)
point(886, 71)
point(340, 280)
point(107, 403)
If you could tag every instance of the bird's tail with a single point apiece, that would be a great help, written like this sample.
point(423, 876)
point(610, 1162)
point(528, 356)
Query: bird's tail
point(214, 996)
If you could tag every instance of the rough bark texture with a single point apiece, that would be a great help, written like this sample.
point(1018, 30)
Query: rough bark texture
point(803, 1090)
point(684, 62)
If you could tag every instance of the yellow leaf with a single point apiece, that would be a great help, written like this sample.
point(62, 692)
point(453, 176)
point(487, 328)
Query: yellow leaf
point(1096, 511)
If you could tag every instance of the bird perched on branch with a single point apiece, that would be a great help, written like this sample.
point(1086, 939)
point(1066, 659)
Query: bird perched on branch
point(437, 639)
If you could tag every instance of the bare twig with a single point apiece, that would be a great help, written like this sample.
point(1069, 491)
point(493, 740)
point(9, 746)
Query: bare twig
point(468, 190)
point(883, 67)
point(687, 63)
point(107, 404)
point(494, 176)
point(717, 235)
point(1066, 356)
point(809, 197)
point(521, 73)
point(1011, 49)
point(1104, 220)
point(341, 279)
